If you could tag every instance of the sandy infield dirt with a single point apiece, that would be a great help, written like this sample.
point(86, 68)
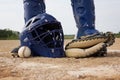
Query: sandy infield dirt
point(42, 68)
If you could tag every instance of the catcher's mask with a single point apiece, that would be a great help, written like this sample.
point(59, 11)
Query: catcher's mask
point(43, 34)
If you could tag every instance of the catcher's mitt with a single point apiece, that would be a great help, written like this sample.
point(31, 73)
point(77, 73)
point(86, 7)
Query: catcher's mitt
point(92, 45)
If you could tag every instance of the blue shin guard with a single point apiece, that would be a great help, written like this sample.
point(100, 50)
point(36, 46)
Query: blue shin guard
point(84, 15)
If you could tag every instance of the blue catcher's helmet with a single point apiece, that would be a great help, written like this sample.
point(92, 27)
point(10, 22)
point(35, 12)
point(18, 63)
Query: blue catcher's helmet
point(43, 34)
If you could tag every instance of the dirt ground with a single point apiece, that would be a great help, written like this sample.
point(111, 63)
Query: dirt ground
point(42, 68)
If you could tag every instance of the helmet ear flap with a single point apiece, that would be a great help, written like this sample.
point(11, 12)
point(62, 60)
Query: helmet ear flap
point(45, 36)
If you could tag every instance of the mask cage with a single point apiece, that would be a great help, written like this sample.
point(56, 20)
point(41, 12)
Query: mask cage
point(50, 35)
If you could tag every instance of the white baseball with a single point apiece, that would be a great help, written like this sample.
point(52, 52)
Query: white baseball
point(24, 52)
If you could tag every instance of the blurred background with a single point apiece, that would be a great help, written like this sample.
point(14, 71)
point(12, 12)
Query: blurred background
point(107, 15)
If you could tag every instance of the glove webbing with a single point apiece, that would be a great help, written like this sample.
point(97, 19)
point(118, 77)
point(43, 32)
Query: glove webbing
point(88, 41)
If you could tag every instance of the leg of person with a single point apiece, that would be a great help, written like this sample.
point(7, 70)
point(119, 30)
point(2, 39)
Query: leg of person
point(84, 15)
point(43, 34)
point(33, 8)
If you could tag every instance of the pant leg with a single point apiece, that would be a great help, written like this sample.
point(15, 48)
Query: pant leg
point(33, 8)
point(84, 14)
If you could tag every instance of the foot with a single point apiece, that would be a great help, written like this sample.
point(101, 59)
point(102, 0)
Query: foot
point(87, 32)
